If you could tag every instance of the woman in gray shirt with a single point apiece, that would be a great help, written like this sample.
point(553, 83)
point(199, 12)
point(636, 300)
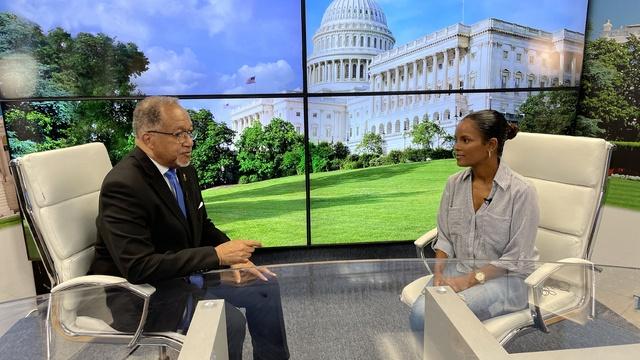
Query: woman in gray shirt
point(488, 216)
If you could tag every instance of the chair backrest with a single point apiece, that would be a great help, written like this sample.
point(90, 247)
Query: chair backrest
point(569, 174)
point(58, 192)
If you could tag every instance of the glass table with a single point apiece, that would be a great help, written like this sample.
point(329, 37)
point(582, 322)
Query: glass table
point(347, 310)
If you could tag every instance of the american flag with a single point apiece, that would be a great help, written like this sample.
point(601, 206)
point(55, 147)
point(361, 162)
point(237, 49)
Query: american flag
point(251, 80)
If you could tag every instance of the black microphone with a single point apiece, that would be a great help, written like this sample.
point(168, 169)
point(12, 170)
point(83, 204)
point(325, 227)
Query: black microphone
point(487, 200)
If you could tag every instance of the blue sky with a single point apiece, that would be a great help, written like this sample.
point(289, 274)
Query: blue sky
point(620, 12)
point(411, 19)
point(213, 46)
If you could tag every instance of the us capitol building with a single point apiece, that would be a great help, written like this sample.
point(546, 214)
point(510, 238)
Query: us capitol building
point(620, 34)
point(353, 51)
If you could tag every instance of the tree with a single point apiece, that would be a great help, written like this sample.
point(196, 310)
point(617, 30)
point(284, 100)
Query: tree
point(321, 156)
point(340, 151)
point(18, 35)
point(607, 82)
point(587, 127)
point(279, 138)
point(371, 144)
point(293, 161)
point(261, 152)
point(30, 132)
point(550, 112)
point(249, 153)
point(84, 65)
point(106, 121)
point(200, 121)
point(93, 64)
point(212, 156)
point(424, 133)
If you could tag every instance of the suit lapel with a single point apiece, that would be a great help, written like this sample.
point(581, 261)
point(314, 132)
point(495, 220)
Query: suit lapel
point(157, 182)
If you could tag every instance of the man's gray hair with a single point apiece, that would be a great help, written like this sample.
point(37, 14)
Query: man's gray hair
point(147, 113)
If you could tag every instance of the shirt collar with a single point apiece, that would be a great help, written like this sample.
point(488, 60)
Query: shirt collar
point(501, 178)
point(502, 175)
point(163, 169)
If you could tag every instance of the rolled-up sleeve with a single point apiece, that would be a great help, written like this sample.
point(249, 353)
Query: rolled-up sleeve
point(443, 242)
point(520, 248)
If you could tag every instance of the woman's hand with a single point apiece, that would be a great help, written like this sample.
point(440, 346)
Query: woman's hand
point(459, 283)
point(438, 280)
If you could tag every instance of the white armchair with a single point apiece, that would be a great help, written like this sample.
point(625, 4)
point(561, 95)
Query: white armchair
point(58, 192)
point(569, 174)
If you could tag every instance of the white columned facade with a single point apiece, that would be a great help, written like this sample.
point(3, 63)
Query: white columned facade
point(456, 84)
point(415, 75)
point(561, 76)
point(435, 72)
point(397, 85)
point(573, 69)
point(424, 78)
point(432, 61)
point(388, 105)
point(445, 83)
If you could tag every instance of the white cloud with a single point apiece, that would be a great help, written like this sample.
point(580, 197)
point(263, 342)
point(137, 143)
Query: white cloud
point(219, 15)
point(270, 77)
point(133, 20)
point(113, 18)
point(170, 72)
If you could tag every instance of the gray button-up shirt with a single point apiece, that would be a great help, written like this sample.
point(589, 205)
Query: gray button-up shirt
point(503, 228)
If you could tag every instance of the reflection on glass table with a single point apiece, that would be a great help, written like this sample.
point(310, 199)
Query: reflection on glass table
point(352, 310)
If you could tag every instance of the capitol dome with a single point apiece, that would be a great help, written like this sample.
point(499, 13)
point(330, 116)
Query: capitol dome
point(340, 10)
point(351, 33)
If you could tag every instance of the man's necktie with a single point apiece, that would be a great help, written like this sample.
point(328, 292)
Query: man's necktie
point(175, 185)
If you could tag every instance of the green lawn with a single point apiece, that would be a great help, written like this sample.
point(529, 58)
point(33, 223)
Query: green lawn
point(386, 203)
point(623, 193)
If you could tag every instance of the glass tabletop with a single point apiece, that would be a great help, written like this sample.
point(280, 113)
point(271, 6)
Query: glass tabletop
point(341, 309)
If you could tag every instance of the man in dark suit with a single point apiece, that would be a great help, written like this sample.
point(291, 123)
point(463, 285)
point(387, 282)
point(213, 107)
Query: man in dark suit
point(153, 228)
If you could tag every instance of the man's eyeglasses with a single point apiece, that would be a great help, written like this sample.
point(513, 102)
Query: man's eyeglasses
point(181, 136)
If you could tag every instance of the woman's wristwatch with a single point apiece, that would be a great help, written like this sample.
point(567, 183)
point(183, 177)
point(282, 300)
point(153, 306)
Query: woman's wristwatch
point(479, 276)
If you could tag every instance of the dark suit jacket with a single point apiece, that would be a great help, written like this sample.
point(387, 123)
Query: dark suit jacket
point(142, 234)
point(144, 237)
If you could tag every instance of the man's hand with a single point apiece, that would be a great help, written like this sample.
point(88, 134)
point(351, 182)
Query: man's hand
point(243, 273)
point(236, 251)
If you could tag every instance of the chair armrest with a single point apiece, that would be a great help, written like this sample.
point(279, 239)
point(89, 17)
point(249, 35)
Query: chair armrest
point(535, 282)
point(546, 270)
point(426, 239)
point(143, 290)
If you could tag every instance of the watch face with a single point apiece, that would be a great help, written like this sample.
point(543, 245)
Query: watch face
point(480, 277)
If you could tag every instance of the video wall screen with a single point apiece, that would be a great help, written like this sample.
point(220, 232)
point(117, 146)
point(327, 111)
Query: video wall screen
point(250, 164)
point(378, 172)
point(376, 164)
point(116, 48)
point(610, 99)
point(443, 45)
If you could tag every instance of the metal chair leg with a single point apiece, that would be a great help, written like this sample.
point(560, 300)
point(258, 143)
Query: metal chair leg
point(162, 355)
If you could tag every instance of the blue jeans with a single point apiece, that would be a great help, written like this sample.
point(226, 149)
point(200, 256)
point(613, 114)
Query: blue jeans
point(495, 297)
